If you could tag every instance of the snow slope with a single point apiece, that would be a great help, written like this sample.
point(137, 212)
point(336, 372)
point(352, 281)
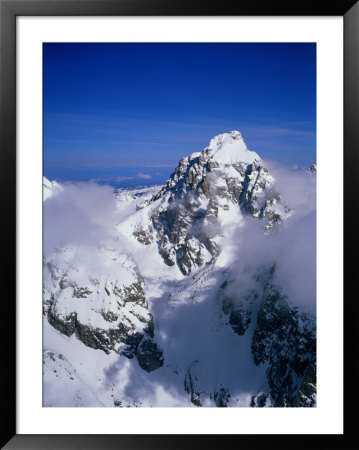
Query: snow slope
point(184, 302)
point(230, 148)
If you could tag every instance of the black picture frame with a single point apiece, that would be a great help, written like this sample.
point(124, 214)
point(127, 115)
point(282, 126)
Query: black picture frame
point(9, 10)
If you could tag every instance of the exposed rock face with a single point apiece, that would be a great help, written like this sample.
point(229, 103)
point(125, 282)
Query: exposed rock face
point(221, 397)
point(313, 168)
point(144, 236)
point(99, 295)
point(192, 385)
point(149, 355)
point(187, 212)
point(282, 338)
point(200, 395)
point(285, 339)
point(109, 313)
point(307, 394)
point(260, 401)
point(238, 306)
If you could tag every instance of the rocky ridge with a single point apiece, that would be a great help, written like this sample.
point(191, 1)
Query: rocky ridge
point(186, 215)
point(106, 312)
point(185, 222)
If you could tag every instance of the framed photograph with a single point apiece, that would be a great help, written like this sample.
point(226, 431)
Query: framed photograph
point(175, 268)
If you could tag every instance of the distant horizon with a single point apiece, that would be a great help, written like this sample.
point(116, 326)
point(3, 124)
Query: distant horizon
point(125, 176)
point(127, 113)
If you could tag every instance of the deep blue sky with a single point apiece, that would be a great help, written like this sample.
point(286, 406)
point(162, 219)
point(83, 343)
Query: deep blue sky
point(133, 110)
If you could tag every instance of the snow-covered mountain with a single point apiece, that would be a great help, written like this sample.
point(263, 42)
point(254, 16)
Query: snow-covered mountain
point(183, 301)
point(208, 192)
point(49, 188)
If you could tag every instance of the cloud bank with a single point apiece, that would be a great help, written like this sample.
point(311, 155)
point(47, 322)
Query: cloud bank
point(187, 331)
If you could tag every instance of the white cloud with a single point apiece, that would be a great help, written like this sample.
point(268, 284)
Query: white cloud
point(81, 213)
point(293, 247)
point(85, 214)
point(124, 178)
point(144, 176)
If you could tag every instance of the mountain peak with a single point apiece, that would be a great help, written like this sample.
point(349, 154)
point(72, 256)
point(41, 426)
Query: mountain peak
point(313, 168)
point(230, 148)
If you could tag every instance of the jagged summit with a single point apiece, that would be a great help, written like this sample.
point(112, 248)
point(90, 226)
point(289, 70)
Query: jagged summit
point(230, 148)
point(181, 284)
point(226, 151)
point(189, 216)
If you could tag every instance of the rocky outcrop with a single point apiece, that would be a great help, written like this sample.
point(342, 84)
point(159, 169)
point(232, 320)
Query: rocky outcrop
point(97, 294)
point(218, 396)
point(192, 385)
point(105, 313)
point(307, 394)
point(313, 168)
point(260, 401)
point(285, 339)
point(149, 355)
point(238, 306)
point(186, 214)
point(221, 397)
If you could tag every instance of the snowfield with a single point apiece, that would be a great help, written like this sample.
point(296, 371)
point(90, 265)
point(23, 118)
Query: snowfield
point(182, 295)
